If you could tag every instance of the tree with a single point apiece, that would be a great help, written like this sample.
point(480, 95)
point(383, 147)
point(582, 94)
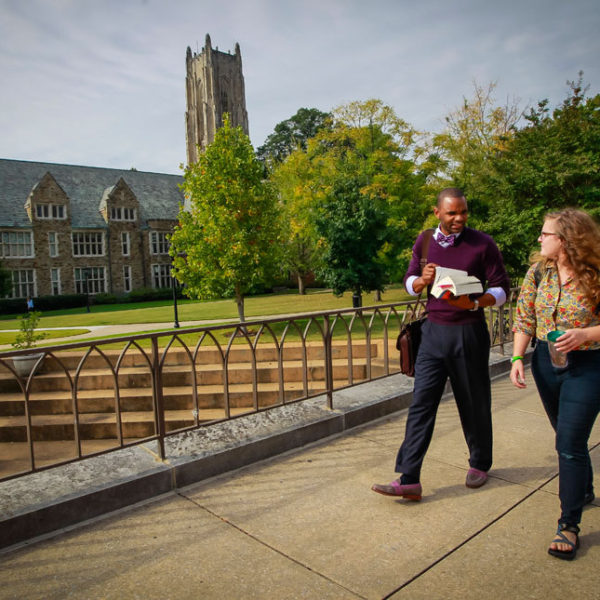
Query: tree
point(475, 134)
point(354, 227)
point(551, 163)
point(356, 193)
point(302, 253)
point(293, 133)
point(227, 243)
point(383, 148)
point(373, 113)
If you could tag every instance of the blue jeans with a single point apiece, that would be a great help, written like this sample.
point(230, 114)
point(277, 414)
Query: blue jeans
point(571, 398)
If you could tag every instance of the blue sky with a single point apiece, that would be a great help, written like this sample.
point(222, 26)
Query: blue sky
point(102, 82)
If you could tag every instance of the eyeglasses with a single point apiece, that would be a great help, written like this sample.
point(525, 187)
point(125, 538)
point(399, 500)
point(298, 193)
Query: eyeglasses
point(545, 234)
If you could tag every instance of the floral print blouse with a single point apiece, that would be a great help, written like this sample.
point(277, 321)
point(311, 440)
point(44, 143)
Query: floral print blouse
point(552, 306)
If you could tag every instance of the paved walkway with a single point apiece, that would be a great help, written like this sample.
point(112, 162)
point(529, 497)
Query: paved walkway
point(306, 525)
point(98, 331)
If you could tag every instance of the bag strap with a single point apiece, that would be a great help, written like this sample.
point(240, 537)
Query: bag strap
point(427, 235)
point(537, 275)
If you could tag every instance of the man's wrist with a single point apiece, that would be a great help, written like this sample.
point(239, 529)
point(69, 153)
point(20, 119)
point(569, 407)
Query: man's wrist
point(419, 285)
point(475, 306)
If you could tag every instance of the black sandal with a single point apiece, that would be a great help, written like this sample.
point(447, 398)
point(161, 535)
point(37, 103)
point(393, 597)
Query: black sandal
point(561, 538)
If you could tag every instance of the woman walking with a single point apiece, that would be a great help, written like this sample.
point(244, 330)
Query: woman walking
point(559, 304)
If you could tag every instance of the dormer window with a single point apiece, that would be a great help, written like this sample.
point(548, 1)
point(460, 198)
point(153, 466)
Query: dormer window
point(50, 211)
point(122, 213)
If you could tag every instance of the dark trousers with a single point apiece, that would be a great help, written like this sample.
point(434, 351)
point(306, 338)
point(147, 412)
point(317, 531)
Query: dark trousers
point(571, 398)
point(461, 353)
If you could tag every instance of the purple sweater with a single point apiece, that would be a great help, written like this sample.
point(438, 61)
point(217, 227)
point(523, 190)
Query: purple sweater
point(474, 252)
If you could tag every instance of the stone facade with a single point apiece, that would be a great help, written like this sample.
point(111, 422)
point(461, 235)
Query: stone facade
point(69, 229)
point(214, 86)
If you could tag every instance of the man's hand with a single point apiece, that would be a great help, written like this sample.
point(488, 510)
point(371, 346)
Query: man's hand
point(428, 275)
point(427, 278)
point(463, 302)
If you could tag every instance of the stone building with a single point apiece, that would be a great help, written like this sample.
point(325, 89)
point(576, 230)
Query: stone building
point(214, 86)
point(69, 229)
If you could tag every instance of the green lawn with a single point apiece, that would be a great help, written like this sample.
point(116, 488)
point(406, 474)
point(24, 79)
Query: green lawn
point(190, 310)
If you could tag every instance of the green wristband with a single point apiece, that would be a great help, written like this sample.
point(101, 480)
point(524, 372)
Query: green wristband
point(515, 359)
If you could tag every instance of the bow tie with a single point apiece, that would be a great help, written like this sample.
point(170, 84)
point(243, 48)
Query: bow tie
point(445, 240)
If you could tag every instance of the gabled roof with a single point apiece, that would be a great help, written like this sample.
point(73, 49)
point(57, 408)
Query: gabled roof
point(159, 195)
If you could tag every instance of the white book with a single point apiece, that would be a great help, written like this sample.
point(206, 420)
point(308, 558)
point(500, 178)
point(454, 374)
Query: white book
point(455, 281)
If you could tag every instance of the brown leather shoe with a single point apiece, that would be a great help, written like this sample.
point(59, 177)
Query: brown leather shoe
point(412, 491)
point(476, 478)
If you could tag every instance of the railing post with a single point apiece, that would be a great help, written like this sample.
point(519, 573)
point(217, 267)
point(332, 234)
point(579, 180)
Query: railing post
point(158, 401)
point(501, 328)
point(328, 363)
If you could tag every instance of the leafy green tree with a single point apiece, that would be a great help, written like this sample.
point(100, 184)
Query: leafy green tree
point(373, 141)
point(293, 133)
point(355, 177)
point(354, 227)
point(302, 253)
point(372, 115)
point(227, 244)
point(551, 163)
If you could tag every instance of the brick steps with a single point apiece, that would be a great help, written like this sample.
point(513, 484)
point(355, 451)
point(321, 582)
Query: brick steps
point(51, 402)
point(205, 356)
point(206, 375)
point(98, 426)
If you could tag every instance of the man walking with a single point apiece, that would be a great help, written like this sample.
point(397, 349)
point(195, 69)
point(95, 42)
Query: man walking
point(455, 344)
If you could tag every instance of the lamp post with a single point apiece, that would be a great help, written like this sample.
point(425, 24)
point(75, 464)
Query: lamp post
point(174, 286)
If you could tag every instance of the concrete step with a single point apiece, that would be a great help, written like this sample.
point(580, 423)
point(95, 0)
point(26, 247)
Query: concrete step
point(136, 377)
point(135, 425)
point(176, 398)
point(206, 355)
point(99, 389)
point(139, 422)
point(50, 390)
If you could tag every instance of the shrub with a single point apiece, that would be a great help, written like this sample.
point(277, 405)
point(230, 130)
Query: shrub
point(60, 302)
point(106, 299)
point(27, 337)
point(147, 294)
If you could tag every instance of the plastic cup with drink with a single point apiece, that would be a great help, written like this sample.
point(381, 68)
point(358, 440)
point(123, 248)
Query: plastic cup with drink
point(558, 359)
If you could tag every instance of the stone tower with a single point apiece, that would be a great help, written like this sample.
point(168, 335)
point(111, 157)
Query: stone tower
point(214, 86)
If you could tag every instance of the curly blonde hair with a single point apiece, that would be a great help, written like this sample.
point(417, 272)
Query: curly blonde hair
point(581, 241)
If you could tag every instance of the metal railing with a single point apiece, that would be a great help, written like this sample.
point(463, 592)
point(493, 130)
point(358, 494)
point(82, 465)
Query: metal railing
point(88, 398)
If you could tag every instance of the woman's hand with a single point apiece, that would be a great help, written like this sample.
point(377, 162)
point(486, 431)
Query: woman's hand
point(517, 374)
point(517, 371)
point(571, 340)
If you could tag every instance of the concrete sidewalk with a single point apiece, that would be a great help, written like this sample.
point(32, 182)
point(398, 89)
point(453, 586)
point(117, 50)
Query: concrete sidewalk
point(102, 331)
point(306, 525)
